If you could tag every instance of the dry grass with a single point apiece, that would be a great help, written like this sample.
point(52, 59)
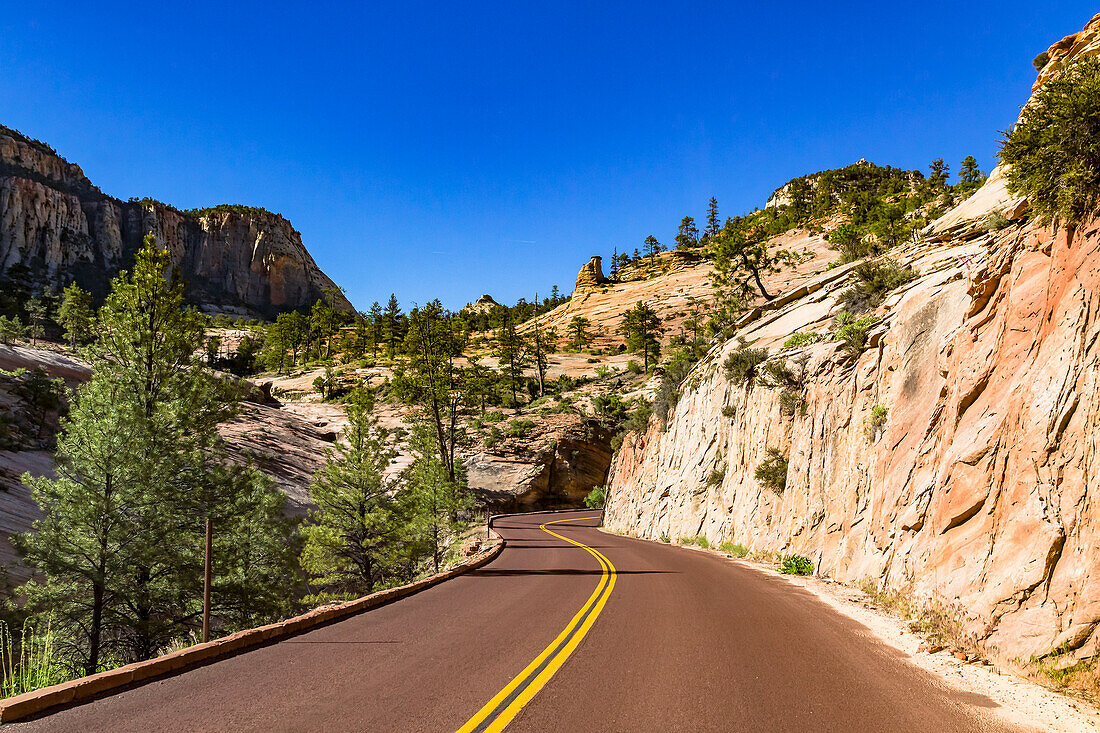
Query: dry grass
point(940, 624)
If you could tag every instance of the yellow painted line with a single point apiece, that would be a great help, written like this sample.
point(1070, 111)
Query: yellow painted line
point(499, 712)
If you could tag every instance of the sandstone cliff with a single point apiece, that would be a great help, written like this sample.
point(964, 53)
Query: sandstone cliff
point(59, 226)
point(979, 489)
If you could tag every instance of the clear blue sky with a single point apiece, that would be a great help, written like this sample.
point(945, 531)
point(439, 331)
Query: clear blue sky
point(448, 149)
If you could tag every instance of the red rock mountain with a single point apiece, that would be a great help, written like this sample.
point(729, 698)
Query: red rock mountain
point(61, 228)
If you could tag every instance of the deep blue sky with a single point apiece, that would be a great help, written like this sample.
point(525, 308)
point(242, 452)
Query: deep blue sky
point(448, 149)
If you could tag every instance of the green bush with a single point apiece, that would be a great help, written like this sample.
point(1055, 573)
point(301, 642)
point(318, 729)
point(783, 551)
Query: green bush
point(853, 332)
point(697, 540)
point(596, 498)
point(737, 550)
point(877, 420)
point(519, 428)
point(798, 338)
point(29, 661)
point(634, 367)
point(729, 411)
point(873, 281)
point(493, 416)
point(665, 538)
point(1053, 152)
point(997, 221)
point(716, 477)
point(743, 363)
point(1040, 61)
point(796, 565)
point(772, 472)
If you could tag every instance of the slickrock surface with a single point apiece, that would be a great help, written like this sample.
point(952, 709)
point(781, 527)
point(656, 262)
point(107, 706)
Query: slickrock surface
point(62, 228)
point(980, 489)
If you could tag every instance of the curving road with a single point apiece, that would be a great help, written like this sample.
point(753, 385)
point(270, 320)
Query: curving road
point(569, 629)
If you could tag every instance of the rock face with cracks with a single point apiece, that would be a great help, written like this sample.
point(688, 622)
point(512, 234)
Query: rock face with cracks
point(62, 229)
point(979, 489)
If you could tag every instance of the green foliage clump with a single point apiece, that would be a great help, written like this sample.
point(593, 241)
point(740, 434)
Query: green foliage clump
point(634, 367)
point(743, 363)
point(697, 540)
point(671, 386)
point(877, 420)
point(799, 338)
point(796, 565)
point(11, 330)
point(729, 411)
point(642, 329)
point(716, 476)
point(596, 498)
point(772, 471)
point(737, 550)
point(1040, 61)
point(1053, 152)
point(853, 331)
point(873, 281)
point(519, 428)
point(665, 538)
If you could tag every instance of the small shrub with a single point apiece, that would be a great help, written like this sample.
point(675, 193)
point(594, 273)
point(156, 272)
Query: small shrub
point(494, 437)
point(729, 411)
point(665, 538)
point(519, 428)
point(873, 281)
point(716, 476)
point(743, 363)
point(877, 420)
point(737, 550)
point(493, 417)
point(1040, 61)
point(29, 661)
point(798, 338)
point(853, 332)
point(634, 367)
point(596, 498)
point(791, 402)
point(796, 565)
point(697, 540)
point(772, 472)
point(639, 417)
point(593, 361)
point(997, 221)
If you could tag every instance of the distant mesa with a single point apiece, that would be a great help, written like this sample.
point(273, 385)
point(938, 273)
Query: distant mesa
point(591, 275)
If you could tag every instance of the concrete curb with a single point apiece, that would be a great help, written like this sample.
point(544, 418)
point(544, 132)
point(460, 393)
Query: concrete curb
point(85, 689)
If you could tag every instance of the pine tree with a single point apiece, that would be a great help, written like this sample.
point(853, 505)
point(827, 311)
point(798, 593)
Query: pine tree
point(37, 317)
point(361, 517)
point(542, 344)
point(687, 236)
point(436, 499)
point(118, 550)
point(714, 223)
point(614, 263)
point(391, 326)
point(968, 171)
point(578, 332)
point(375, 320)
point(513, 355)
point(642, 329)
point(938, 172)
point(432, 380)
point(652, 246)
point(741, 253)
point(76, 315)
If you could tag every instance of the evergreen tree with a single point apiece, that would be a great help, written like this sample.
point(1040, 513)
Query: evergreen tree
point(578, 332)
point(714, 223)
point(512, 352)
point(432, 380)
point(938, 172)
point(76, 315)
point(542, 344)
point(741, 252)
point(118, 550)
point(642, 329)
point(391, 326)
point(437, 499)
point(375, 320)
point(354, 536)
point(37, 317)
point(614, 263)
point(968, 171)
point(11, 329)
point(687, 236)
point(652, 246)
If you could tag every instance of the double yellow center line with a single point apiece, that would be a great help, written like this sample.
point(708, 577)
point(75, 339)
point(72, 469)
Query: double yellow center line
point(500, 711)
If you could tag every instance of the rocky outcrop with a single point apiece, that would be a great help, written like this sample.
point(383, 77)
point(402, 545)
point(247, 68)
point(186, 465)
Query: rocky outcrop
point(61, 228)
point(977, 487)
point(553, 468)
point(591, 275)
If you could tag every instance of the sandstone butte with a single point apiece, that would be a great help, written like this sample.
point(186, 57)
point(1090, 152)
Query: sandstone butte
point(981, 488)
point(56, 223)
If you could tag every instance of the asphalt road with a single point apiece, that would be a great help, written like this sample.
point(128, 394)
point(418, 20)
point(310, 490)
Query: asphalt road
point(549, 637)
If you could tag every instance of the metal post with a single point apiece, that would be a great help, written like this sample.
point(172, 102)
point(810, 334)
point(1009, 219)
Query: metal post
point(206, 580)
